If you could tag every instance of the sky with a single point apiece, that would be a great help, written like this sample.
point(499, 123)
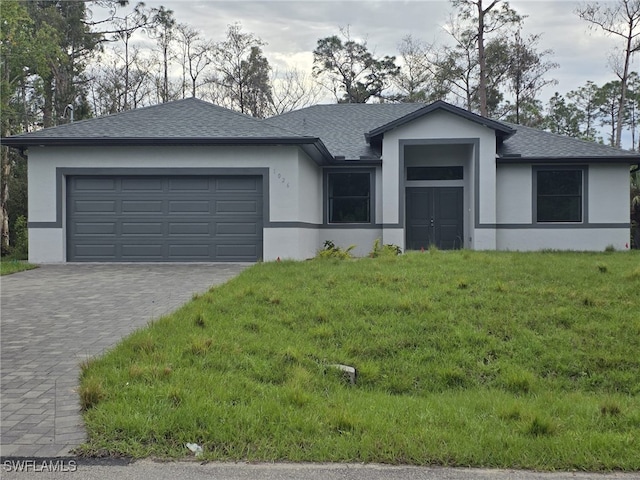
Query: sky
point(291, 30)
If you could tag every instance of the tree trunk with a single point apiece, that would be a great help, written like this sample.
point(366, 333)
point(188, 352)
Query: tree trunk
point(623, 92)
point(482, 89)
point(47, 110)
point(4, 197)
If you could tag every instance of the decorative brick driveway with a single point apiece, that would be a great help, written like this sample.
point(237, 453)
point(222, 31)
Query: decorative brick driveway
point(54, 317)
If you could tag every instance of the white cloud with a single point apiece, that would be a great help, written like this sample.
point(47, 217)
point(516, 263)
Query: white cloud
point(292, 28)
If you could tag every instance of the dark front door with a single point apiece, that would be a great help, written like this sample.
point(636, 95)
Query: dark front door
point(434, 217)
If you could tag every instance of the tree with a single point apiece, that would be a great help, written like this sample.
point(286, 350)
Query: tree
point(292, 90)
point(620, 20)
point(459, 69)
point(607, 100)
point(243, 73)
point(526, 71)
point(25, 53)
point(418, 79)
point(65, 58)
point(563, 117)
point(163, 32)
point(350, 70)
point(486, 20)
point(126, 26)
point(195, 56)
point(586, 100)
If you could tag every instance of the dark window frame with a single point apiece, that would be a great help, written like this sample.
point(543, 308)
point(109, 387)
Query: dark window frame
point(329, 197)
point(437, 173)
point(538, 196)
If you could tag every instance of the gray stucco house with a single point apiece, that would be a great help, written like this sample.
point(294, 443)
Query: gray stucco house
point(191, 181)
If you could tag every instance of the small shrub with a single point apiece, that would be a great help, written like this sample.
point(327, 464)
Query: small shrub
point(610, 248)
point(387, 250)
point(330, 250)
point(21, 246)
point(91, 393)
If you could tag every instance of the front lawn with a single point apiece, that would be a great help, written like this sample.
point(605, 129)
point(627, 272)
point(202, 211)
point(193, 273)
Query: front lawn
point(519, 360)
point(9, 266)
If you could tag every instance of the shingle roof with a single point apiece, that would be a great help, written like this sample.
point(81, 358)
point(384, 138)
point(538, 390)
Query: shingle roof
point(323, 131)
point(188, 118)
point(342, 127)
point(533, 143)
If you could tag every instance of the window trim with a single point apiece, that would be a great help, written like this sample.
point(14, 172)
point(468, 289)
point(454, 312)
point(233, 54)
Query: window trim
point(584, 193)
point(327, 197)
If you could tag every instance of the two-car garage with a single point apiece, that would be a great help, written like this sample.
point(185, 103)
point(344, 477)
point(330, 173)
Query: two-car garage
point(164, 218)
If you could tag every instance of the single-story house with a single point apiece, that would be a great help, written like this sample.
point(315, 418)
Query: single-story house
point(191, 181)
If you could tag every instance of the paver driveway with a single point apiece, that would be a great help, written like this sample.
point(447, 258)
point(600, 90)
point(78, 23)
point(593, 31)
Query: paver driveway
point(56, 316)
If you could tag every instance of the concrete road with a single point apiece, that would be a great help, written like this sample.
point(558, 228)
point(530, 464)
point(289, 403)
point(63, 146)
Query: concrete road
point(147, 469)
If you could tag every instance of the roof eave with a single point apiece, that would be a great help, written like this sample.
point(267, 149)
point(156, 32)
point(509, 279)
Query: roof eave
point(312, 146)
point(628, 159)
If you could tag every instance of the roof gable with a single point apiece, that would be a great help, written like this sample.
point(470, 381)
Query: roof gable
point(501, 129)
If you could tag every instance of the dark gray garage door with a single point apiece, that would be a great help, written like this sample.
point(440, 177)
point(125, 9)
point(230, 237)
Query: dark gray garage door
point(154, 219)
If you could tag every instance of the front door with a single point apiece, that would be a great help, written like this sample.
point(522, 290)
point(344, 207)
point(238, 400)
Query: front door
point(434, 217)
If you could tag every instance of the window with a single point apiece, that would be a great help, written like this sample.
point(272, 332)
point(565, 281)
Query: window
point(349, 197)
point(434, 173)
point(559, 195)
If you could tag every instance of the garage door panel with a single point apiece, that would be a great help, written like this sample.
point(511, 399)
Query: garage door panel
point(94, 206)
point(244, 185)
point(234, 250)
point(190, 250)
point(193, 228)
point(95, 250)
point(164, 218)
point(95, 228)
point(93, 184)
point(142, 250)
point(236, 206)
point(142, 228)
point(237, 228)
point(142, 184)
point(142, 206)
point(189, 184)
point(191, 206)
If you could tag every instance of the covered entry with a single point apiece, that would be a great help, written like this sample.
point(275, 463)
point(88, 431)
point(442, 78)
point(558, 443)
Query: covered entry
point(164, 218)
point(435, 216)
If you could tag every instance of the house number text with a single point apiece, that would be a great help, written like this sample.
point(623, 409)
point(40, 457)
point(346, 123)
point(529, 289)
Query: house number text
point(280, 178)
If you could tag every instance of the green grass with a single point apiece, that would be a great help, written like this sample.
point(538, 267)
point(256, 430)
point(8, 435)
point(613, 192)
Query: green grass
point(9, 266)
point(519, 360)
